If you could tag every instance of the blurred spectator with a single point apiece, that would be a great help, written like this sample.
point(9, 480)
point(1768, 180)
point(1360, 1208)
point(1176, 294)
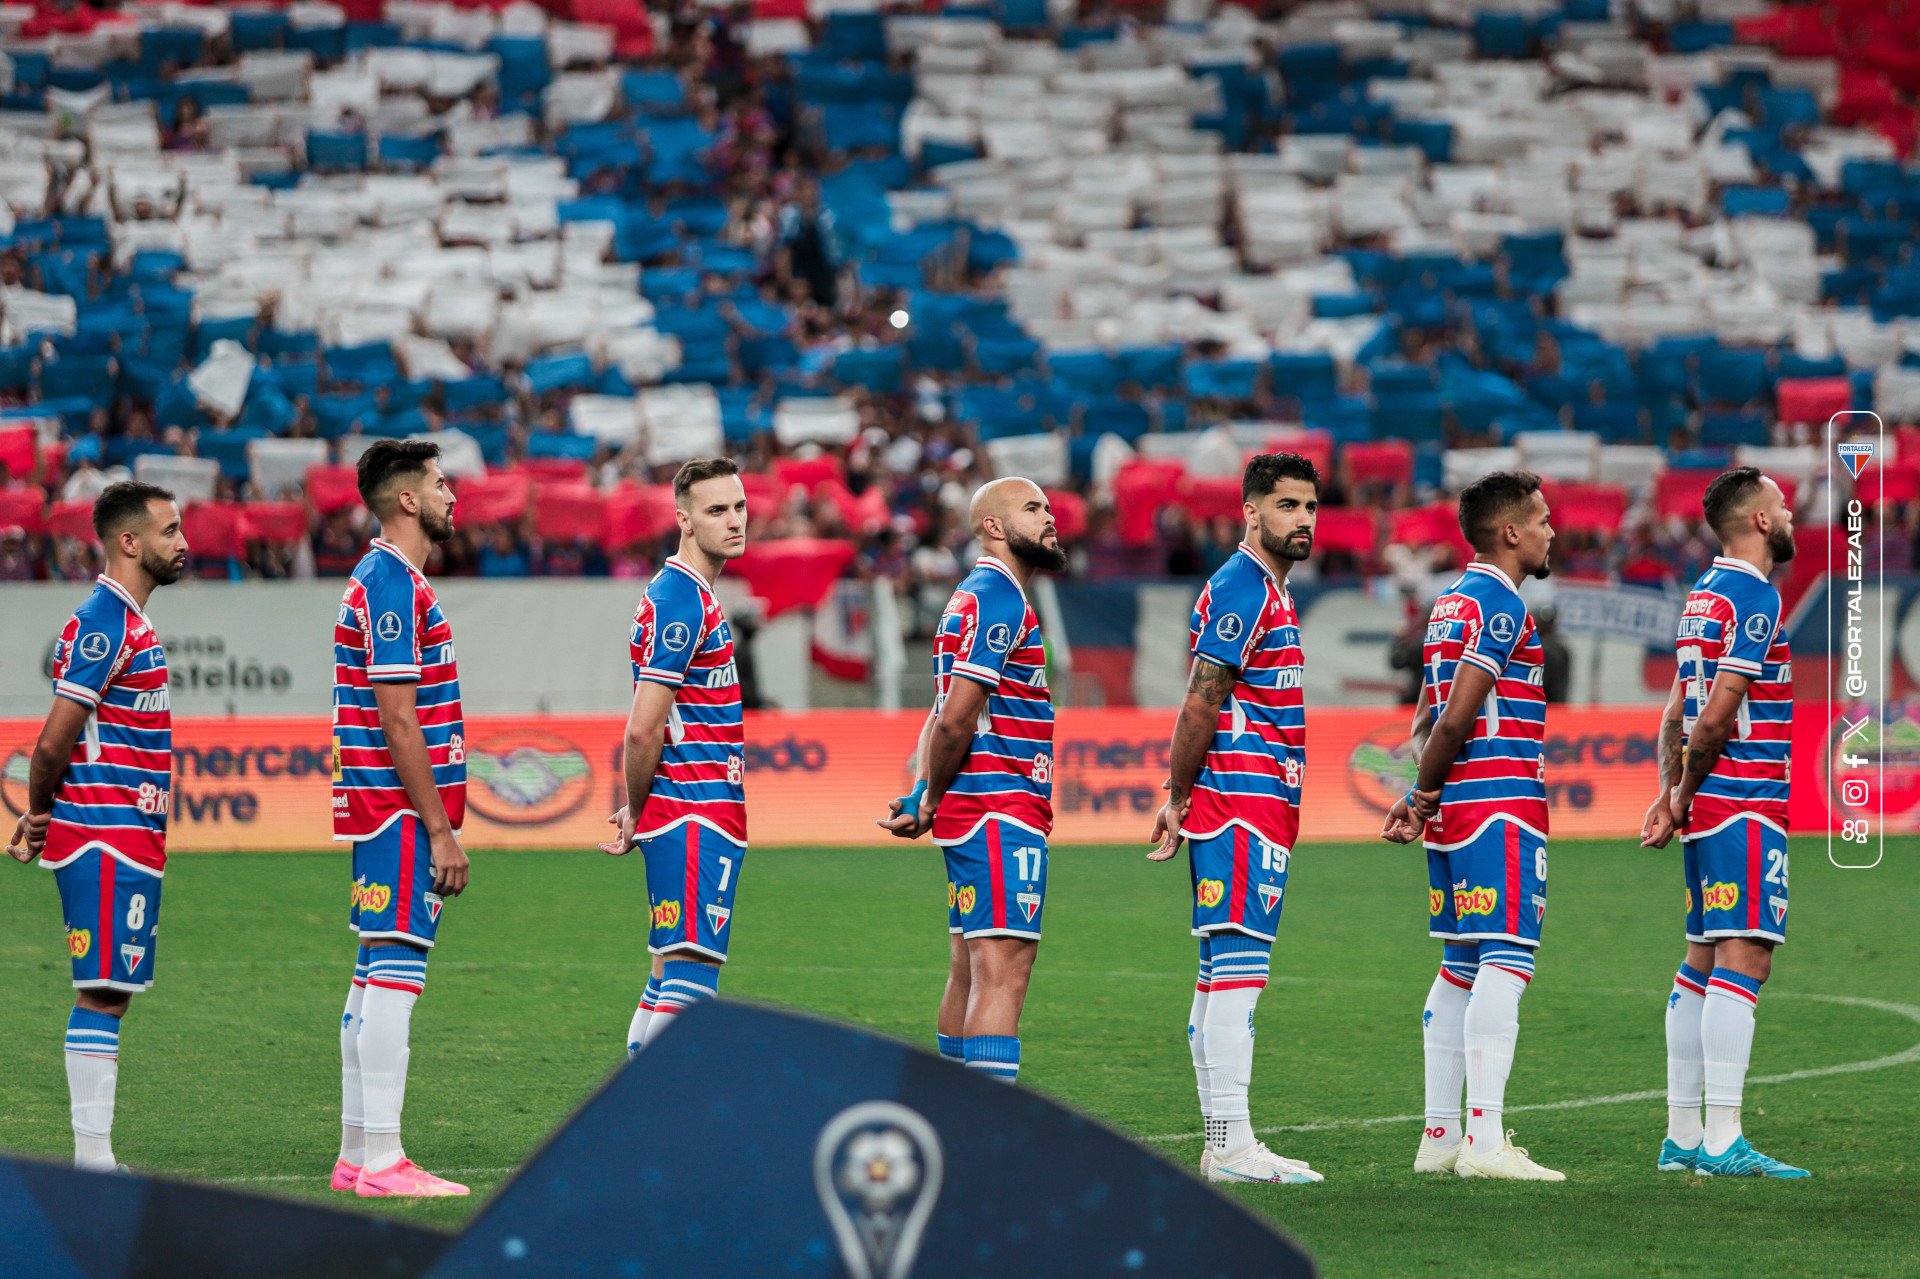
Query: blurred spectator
point(1557, 675)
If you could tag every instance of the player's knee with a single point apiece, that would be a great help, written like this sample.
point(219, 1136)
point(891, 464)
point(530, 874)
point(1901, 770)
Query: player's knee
point(1746, 956)
point(112, 1002)
point(998, 963)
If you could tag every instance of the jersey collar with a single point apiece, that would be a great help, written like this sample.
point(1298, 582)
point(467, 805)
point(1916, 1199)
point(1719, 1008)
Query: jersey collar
point(1261, 564)
point(1494, 569)
point(1738, 566)
point(382, 544)
point(125, 597)
point(994, 562)
point(674, 561)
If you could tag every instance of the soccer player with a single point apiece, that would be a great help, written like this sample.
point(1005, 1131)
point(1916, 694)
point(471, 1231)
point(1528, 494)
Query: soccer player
point(686, 752)
point(98, 790)
point(1481, 801)
point(984, 777)
point(399, 795)
point(1238, 757)
point(1724, 748)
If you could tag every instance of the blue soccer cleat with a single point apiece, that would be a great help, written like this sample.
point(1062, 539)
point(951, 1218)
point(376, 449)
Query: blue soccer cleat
point(1675, 1157)
point(1742, 1160)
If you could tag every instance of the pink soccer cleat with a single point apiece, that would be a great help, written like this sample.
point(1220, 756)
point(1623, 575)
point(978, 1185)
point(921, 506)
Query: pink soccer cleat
point(345, 1176)
point(405, 1180)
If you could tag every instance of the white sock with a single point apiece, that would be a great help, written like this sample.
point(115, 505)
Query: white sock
point(1726, 1041)
point(1685, 1064)
point(1228, 1031)
point(1490, 1028)
point(386, 1018)
point(1443, 1041)
point(1197, 1049)
point(93, 1071)
point(353, 1133)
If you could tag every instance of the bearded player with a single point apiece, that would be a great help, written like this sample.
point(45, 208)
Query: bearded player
point(685, 752)
point(984, 777)
point(99, 787)
point(1237, 762)
point(1725, 743)
point(399, 795)
point(1481, 801)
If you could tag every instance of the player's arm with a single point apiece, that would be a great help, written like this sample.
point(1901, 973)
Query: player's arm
point(950, 740)
point(1449, 732)
point(51, 754)
point(398, 701)
point(1657, 830)
point(1422, 720)
point(903, 814)
point(1718, 719)
point(645, 741)
point(1209, 684)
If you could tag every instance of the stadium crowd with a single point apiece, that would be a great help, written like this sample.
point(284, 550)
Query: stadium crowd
point(817, 240)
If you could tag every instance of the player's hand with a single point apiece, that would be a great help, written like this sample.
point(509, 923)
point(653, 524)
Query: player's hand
point(619, 844)
point(450, 869)
point(1401, 825)
point(904, 825)
point(1657, 830)
point(1166, 827)
point(1680, 807)
point(1426, 805)
point(29, 837)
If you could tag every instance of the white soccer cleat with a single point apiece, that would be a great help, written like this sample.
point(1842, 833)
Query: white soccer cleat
point(1507, 1162)
point(1257, 1163)
point(1435, 1156)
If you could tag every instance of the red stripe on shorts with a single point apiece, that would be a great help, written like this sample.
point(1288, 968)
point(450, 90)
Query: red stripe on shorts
point(1513, 879)
point(403, 888)
point(1237, 895)
point(691, 914)
point(996, 880)
point(105, 940)
point(1753, 874)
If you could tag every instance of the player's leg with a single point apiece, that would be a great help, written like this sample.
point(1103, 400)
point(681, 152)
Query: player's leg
point(1000, 970)
point(1000, 875)
point(1197, 1042)
point(693, 873)
point(1686, 1076)
point(1443, 1023)
point(649, 1001)
point(93, 1074)
point(950, 1023)
point(1744, 893)
point(111, 909)
point(353, 1109)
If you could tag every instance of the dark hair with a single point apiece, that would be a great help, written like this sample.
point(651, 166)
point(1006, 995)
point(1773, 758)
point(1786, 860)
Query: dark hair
point(1487, 499)
point(1728, 495)
point(120, 504)
point(1264, 470)
point(389, 460)
point(700, 468)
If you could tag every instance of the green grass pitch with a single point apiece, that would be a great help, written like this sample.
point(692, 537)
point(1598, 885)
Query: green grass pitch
point(230, 1067)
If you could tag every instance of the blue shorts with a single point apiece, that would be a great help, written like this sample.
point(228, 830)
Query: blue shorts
point(393, 897)
point(1737, 882)
point(1239, 883)
point(693, 872)
point(1491, 888)
point(997, 881)
point(112, 910)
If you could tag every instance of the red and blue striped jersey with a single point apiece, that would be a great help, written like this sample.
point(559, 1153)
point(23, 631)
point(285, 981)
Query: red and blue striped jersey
point(681, 639)
point(1501, 771)
point(991, 635)
point(1732, 623)
point(1251, 776)
point(118, 787)
point(391, 630)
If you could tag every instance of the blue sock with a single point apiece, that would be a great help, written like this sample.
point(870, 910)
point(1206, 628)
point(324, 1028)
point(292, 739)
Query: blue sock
point(651, 995)
point(684, 983)
point(952, 1047)
point(996, 1056)
point(1511, 956)
point(1460, 961)
point(93, 1034)
point(397, 968)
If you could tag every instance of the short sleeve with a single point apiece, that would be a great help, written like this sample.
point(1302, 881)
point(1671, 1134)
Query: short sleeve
point(1750, 634)
point(84, 664)
point(990, 626)
point(393, 631)
point(666, 633)
point(1490, 645)
point(1223, 625)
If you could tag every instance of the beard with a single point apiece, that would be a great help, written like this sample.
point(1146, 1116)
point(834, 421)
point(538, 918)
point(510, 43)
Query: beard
point(161, 568)
point(1286, 548)
point(1544, 571)
point(1780, 543)
point(437, 525)
point(1037, 554)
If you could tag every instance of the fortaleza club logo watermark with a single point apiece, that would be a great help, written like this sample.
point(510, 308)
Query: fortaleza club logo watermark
point(1857, 641)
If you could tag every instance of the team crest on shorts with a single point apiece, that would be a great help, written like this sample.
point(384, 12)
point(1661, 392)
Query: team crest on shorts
point(1269, 897)
point(433, 905)
point(1539, 907)
point(1779, 907)
point(1029, 903)
point(719, 915)
point(132, 955)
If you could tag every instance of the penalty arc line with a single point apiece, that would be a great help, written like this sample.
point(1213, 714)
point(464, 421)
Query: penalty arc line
point(1905, 1057)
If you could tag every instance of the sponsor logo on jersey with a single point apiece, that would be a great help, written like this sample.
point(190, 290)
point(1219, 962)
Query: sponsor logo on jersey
point(1029, 904)
point(676, 636)
point(1501, 627)
point(1208, 892)
point(372, 898)
point(93, 646)
point(388, 627)
point(131, 955)
point(79, 942)
point(965, 898)
point(718, 917)
point(1228, 627)
point(434, 903)
point(1269, 896)
point(999, 638)
point(526, 778)
point(1479, 900)
point(1436, 899)
point(667, 914)
point(1778, 905)
point(1720, 896)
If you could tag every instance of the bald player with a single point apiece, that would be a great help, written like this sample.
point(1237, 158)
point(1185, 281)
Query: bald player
point(984, 776)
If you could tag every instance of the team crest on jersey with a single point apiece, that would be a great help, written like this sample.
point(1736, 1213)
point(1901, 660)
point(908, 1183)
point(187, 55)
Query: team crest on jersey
point(667, 914)
point(131, 955)
point(1759, 628)
point(1778, 905)
point(1029, 904)
point(1269, 896)
point(1720, 896)
point(93, 646)
point(718, 917)
point(1228, 627)
point(79, 942)
point(433, 905)
point(1208, 892)
point(1500, 626)
point(1855, 454)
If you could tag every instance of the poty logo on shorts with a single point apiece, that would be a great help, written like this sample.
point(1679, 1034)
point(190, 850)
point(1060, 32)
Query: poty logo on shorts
point(1436, 901)
point(1720, 896)
point(388, 627)
point(1208, 892)
point(999, 638)
point(1228, 627)
point(1759, 628)
point(667, 915)
point(93, 646)
point(676, 636)
point(1475, 901)
point(1855, 454)
point(372, 898)
point(1500, 626)
point(79, 942)
point(965, 898)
